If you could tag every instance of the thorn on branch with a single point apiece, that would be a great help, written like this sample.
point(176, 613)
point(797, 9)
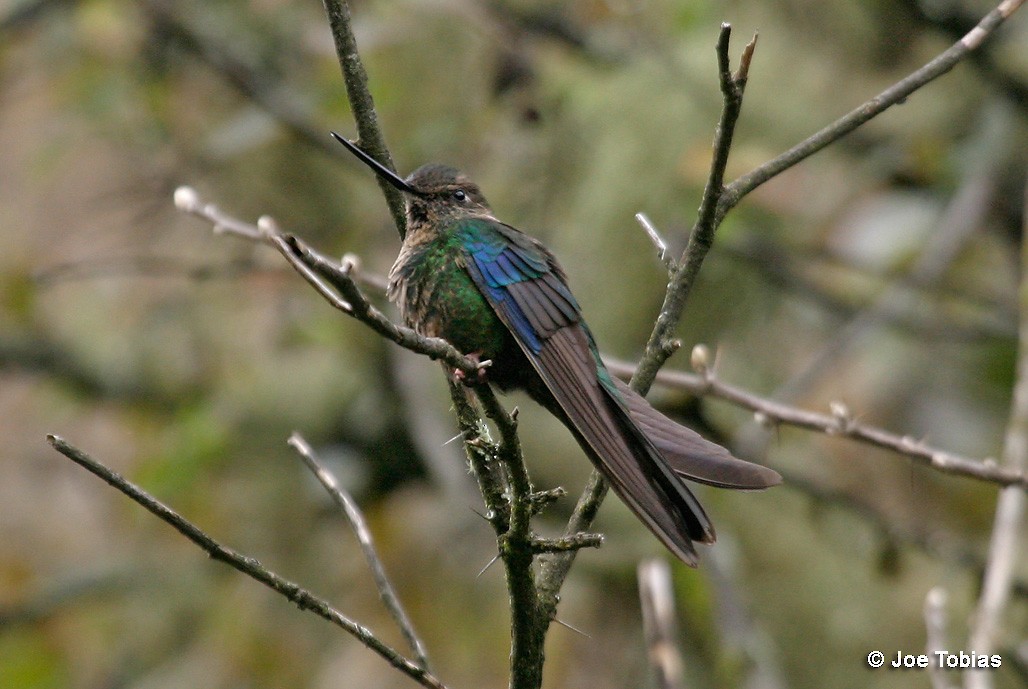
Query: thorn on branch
point(488, 565)
point(658, 241)
point(564, 624)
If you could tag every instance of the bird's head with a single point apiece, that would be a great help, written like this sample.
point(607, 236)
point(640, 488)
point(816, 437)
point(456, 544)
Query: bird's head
point(433, 192)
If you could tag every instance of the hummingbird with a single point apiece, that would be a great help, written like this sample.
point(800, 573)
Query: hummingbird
point(497, 294)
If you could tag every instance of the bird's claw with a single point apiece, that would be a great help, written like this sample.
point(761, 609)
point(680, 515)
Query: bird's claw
point(480, 370)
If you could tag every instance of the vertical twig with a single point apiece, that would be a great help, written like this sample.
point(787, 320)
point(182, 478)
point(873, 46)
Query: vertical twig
point(508, 499)
point(1007, 528)
point(935, 621)
point(360, 527)
point(701, 237)
point(528, 633)
point(362, 104)
point(657, 598)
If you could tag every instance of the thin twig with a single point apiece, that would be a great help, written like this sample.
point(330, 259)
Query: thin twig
point(249, 566)
point(362, 104)
point(935, 620)
point(518, 548)
point(1007, 537)
point(509, 505)
point(701, 236)
point(895, 94)
point(188, 200)
point(314, 267)
point(657, 599)
point(838, 423)
point(658, 241)
point(360, 528)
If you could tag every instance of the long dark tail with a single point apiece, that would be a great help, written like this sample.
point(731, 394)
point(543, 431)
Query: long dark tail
point(690, 455)
point(604, 427)
point(643, 454)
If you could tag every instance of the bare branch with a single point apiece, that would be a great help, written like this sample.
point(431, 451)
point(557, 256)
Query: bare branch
point(343, 293)
point(895, 94)
point(701, 236)
point(658, 241)
point(838, 422)
point(355, 77)
point(367, 543)
point(509, 502)
point(299, 596)
point(1007, 537)
point(657, 598)
point(935, 620)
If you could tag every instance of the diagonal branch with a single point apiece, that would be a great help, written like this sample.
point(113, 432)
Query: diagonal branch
point(894, 95)
point(249, 566)
point(360, 527)
point(507, 490)
point(343, 293)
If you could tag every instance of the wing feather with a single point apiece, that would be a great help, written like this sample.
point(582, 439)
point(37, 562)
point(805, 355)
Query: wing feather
point(541, 311)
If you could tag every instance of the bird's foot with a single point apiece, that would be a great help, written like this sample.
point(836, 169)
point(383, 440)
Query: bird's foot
point(480, 376)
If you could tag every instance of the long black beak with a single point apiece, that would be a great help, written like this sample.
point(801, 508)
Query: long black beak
point(380, 169)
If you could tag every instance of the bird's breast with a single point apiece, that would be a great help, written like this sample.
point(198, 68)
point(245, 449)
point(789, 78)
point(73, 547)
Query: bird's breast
point(437, 297)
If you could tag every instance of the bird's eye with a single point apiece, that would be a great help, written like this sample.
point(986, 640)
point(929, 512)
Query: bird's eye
point(460, 195)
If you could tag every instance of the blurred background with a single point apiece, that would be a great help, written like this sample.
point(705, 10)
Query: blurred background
point(881, 273)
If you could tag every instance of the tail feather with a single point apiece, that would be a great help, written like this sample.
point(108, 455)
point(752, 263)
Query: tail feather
point(689, 454)
point(603, 426)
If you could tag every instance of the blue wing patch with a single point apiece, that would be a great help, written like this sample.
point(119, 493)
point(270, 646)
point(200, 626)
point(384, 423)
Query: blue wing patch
point(519, 281)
